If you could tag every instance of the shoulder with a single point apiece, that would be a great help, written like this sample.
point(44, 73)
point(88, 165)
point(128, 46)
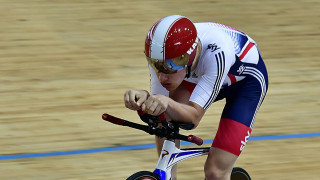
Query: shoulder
point(213, 38)
point(209, 30)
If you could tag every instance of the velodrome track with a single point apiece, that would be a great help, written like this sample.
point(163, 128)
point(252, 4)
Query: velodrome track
point(143, 146)
point(65, 63)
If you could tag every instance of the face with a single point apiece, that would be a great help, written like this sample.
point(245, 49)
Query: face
point(171, 81)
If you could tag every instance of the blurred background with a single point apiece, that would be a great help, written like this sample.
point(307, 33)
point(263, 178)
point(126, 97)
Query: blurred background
point(65, 63)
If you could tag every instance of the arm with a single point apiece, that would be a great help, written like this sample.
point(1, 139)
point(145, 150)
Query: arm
point(187, 113)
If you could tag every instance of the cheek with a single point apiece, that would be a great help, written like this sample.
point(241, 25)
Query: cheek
point(180, 79)
point(181, 75)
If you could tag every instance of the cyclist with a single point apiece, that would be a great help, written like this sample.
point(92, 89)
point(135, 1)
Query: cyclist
point(193, 65)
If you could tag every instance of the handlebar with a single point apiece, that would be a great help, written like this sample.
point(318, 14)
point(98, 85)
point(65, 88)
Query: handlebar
point(195, 139)
point(152, 129)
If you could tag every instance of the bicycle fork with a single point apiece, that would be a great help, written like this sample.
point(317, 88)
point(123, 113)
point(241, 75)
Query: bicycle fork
point(171, 155)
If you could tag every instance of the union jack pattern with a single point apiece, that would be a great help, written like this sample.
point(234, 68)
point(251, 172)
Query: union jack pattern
point(242, 42)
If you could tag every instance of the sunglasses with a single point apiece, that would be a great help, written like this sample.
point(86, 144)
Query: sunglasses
point(169, 66)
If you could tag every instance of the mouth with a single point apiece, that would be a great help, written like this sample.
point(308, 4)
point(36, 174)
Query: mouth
point(166, 85)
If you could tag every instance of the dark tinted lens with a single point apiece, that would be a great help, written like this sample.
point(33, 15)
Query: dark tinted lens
point(160, 66)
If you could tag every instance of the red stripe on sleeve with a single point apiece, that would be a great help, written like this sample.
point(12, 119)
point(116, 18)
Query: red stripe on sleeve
point(244, 53)
point(232, 78)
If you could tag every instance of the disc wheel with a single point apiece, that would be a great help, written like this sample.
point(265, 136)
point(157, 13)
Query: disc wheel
point(239, 174)
point(144, 175)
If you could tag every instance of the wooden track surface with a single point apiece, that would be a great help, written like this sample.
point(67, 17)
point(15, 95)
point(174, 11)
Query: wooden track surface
point(64, 63)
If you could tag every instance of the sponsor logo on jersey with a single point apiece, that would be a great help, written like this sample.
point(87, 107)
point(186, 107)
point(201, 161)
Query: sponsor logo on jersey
point(194, 75)
point(241, 69)
point(213, 47)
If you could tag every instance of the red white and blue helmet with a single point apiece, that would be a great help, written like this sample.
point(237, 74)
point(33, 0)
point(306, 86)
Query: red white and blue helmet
point(171, 44)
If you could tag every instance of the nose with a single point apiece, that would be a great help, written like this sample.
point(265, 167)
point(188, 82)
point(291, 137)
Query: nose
point(162, 77)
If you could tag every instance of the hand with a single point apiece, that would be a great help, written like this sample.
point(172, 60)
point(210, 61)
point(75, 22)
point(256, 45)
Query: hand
point(133, 99)
point(155, 104)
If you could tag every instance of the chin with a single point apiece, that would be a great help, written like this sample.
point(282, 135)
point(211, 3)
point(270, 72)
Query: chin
point(171, 88)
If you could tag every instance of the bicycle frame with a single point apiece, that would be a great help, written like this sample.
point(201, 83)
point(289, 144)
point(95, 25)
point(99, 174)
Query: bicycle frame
point(171, 155)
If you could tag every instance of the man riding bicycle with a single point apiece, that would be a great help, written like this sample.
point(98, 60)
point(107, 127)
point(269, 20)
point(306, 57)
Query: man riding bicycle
point(193, 65)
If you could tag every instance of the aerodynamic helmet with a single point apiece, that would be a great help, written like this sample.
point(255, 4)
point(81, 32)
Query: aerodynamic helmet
point(171, 44)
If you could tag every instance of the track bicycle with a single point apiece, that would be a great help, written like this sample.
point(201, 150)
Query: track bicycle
point(170, 154)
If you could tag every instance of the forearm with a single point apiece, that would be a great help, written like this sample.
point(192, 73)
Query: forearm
point(186, 113)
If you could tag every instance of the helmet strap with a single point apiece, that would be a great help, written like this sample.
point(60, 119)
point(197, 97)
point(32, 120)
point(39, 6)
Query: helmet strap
point(188, 71)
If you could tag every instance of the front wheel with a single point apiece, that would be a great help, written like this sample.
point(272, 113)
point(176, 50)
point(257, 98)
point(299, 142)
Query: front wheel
point(143, 175)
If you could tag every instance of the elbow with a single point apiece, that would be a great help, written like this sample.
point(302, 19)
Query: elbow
point(197, 115)
point(195, 123)
point(189, 125)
